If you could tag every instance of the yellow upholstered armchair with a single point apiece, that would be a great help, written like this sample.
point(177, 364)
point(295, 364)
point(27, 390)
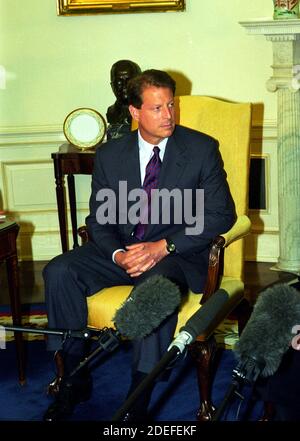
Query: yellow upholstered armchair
point(229, 123)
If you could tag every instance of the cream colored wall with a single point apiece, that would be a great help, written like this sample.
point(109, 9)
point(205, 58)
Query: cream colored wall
point(55, 64)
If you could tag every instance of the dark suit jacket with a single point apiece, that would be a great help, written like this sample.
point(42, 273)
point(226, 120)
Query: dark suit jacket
point(191, 161)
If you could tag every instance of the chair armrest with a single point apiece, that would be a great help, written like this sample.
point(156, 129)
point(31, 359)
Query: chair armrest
point(83, 233)
point(239, 230)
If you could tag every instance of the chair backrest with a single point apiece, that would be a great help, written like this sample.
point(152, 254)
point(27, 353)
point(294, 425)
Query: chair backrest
point(230, 124)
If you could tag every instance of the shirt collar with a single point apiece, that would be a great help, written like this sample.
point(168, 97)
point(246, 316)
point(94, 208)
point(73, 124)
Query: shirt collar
point(147, 149)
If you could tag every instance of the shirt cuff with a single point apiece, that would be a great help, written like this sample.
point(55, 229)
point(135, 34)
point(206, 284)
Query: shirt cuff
point(115, 252)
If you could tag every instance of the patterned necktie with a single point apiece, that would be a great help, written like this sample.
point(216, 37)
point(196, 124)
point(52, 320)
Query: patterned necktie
point(150, 182)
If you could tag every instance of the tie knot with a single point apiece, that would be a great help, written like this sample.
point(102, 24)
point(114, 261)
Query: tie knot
point(156, 150)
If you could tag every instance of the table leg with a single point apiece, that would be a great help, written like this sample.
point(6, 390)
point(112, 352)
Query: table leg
point(72, 199)
point(60, 197)
point(14, 293)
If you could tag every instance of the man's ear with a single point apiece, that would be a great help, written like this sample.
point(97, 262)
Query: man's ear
point(134, 112)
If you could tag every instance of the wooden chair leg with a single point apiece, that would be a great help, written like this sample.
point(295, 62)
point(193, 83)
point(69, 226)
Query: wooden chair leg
point(243, 313)
point(14, 294)
point(53, 387)
point(269, 411)
point(203, 353)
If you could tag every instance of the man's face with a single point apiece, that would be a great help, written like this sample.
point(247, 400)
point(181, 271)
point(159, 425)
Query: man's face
point(156, 117)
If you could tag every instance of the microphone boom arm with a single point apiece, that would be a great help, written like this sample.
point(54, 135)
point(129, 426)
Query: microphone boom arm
point(167, 360)
point(108, 339)
point(65, 333)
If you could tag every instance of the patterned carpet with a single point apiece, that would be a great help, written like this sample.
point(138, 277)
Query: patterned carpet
point(33, 315)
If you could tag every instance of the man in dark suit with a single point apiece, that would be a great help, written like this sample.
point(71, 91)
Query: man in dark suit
point(122, 253)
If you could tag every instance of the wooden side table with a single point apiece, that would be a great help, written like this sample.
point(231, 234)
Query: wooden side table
point(8, 252)
point(69, 161)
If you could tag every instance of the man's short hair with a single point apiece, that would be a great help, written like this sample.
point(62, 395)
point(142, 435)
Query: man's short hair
point(150, 77)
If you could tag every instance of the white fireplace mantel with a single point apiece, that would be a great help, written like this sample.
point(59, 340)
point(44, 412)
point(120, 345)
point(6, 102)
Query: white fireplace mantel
point(285, 38)
point(269, 27)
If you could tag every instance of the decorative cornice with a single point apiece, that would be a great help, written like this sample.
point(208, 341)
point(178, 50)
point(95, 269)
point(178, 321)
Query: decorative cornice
point(53, 134)
point(38, 128)
point(269, 27)
point(285, 36)
point(38, 134)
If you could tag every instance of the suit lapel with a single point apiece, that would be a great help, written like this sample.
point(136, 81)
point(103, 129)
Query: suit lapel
point(130, 163)
point(129, 171)
point(173, 167)
point(174, 163)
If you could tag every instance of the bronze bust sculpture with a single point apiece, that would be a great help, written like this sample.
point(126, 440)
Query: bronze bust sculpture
point(118, 116)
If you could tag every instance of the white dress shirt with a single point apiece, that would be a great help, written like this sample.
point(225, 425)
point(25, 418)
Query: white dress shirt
point(145, 154)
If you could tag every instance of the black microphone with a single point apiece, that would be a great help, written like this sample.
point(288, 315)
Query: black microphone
point(202, 320)
point(147, 306)
point(144, 310)
point(268, 333)
point(265, 339)
point(198, 323)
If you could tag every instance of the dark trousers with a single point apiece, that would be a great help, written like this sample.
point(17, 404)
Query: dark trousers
point(283, 388)
point(74, 275)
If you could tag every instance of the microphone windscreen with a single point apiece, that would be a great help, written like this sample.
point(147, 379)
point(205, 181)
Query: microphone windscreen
point(147, 306)
point(268, 333)
point(206, 314)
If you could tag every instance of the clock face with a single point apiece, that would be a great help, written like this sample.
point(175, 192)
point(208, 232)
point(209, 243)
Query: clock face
point(84, 128)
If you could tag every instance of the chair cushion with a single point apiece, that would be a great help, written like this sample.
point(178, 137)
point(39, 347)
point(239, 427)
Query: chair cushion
point(103, 305)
